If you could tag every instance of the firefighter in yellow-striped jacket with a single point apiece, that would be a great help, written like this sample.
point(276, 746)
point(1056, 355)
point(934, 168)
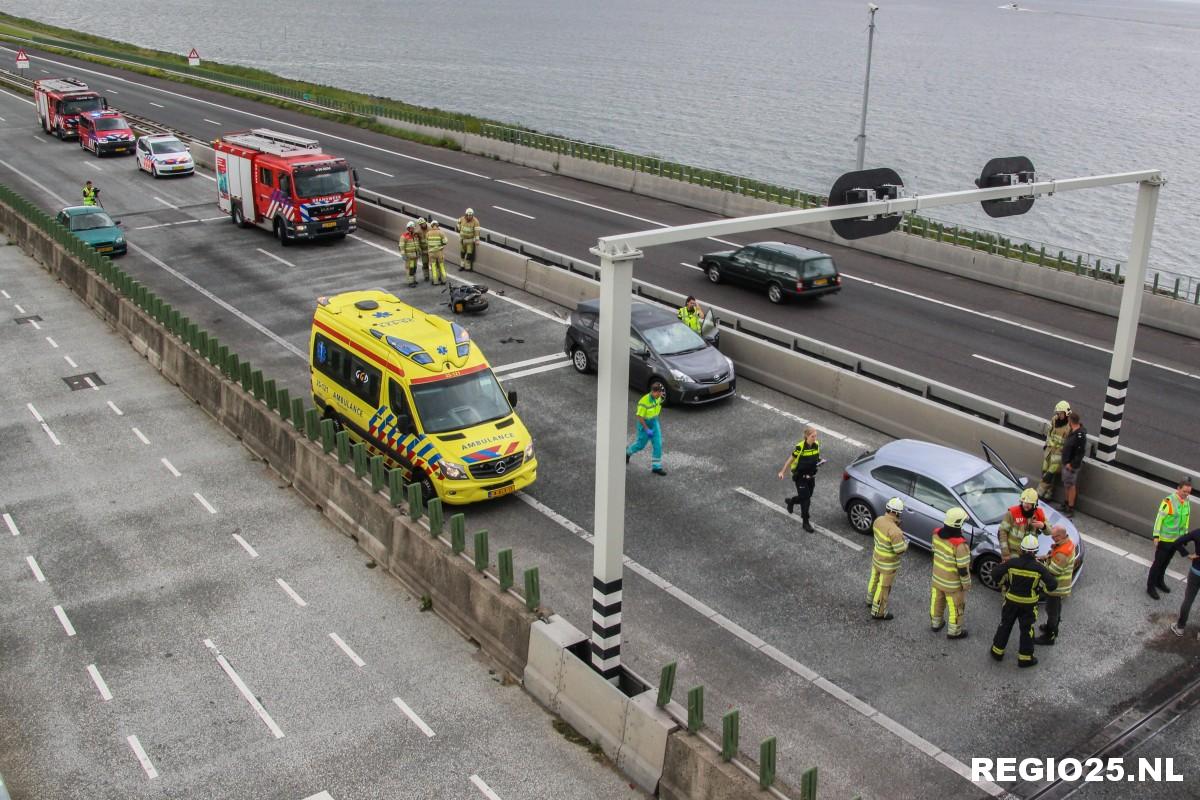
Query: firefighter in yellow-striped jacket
point(885, 561)
point(951, 575)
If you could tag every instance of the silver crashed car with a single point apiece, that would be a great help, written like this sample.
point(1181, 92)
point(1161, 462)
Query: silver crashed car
point(931, 479)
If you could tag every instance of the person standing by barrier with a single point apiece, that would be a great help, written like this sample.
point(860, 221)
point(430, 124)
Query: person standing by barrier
point(691, 314)
point(1061, 563)
point(1019, 521)
point(951, 576)
point(1074, 448)
point(1056, 434)
point(1173, 520)
point(422, 232)
point(885, 560)
point(468, 238)
point(435, 243)
point(91, 194)
point(1025, 578)
point(650, 427)
point(1193, 579)
point(410, 248)
point(803, 463)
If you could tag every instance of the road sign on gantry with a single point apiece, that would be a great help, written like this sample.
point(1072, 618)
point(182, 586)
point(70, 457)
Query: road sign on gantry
point(193, 58)
point(22, 59)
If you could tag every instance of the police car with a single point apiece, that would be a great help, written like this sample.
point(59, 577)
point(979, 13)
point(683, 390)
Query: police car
point(163, 154)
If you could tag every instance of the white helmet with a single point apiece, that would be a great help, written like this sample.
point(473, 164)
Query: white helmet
point(896, 505)
point(411, 225)
point(470, 211)
point(434, 224)
point(1029, 544)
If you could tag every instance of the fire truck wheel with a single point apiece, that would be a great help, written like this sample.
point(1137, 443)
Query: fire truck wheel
point(281, 233)
point(237, 217)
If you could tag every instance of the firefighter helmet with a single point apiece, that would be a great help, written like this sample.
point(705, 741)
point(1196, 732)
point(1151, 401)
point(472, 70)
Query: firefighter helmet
point(470, 211)
point(410, 225)
point(955, 517)
point(422, 221)
point(895, 504)
point(1062, 407)
point(434, 224)
point(1029, 544)
point(1029, 497)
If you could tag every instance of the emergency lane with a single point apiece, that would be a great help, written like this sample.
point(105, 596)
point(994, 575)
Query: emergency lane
point(713, 567)
point(570, 214)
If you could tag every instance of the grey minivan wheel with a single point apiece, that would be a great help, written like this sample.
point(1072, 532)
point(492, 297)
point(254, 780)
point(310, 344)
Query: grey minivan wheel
point(986, 565)
point(860, 515)
point(580, 360)
point(714, 273)
point(774, 292)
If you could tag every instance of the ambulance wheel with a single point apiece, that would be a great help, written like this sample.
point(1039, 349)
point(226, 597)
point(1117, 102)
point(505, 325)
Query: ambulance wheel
point(427, 490)
point(281, 234)
point(333, 415)
point(237, 217)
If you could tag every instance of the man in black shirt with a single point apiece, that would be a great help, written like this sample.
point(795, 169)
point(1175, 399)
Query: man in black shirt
point(1193, 578)
point(1072, 460)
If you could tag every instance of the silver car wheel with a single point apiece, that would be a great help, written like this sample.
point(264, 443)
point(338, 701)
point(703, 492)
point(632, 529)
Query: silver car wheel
point(860, 515)
point(986, 565)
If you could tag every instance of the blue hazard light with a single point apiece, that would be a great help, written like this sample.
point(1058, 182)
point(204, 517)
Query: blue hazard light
point(404, 347)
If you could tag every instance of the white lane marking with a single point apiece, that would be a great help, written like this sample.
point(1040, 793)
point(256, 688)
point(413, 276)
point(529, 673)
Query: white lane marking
point(1103, 545)
point(142, 758)
point(2, 119)
point(44, 71)
point(61, 200)
point(207, 505)
point(71, 361)
point(167, 203)
point(167, 224)
point(379, 172)
point(358, 662)
point(101, 686)
point(291, 592)
point(211, 121)
point(7, 296)
point(789, 415)
point(91, 383)
point(320, 796)
point(112, 91)
point(285, 262)
point(690, 266)
point(34, 411)
point(66, 623)
point(245, 690)
point(855, 546)
point(19, 308)
point(208, 178)
point(35, 325)
point(484, 788)
point(170, 467)
point(53, 343)
point(769, 651)
point(213, 219)
point(140, 435)
point(527, 362)
point(502, 208)
point(17, 96)
point(42, 422)
point(258, 326)
point(39, 139)
point(37, 571)
point(412, 715)
point(245, 545)
point(96, 167)
point(116, 410)
point(12, 526)
point(157, 105)
point(1022, 370)
point(535, 370)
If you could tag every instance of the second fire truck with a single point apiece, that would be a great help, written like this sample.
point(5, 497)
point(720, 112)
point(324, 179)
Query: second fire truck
point(284, 184)
point(60, 101)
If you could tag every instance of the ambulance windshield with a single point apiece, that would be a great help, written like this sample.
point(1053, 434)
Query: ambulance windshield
point(461, 402)
point(81, 105)
point(322, 181)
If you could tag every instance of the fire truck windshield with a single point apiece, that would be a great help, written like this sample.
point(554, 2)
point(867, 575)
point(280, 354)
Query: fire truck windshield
point(81, 105)
point(322, 181)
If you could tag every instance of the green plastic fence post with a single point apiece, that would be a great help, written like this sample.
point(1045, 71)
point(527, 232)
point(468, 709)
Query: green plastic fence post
point(481, 551)
point(298, 413)
point(395, 485)
point(256, 384)
point(1024, 252)
point(533, 589)
point(808, 784)
point(504, 563)
point(233, 367)
point(1117, 273)
point(312, 424)
point(695, 709)
point(271, 394)
point(1042, 256)
point(729, 734)
point(1061, 260)
point(328, 432)
point(1175, 291)
point(666, 685)
point(285, 405)
point(175, 318)
point(1078, 263)
point(766, 762)
point(416, 501)
point(359, 454)
point(458, 532)
point(214, 352)
point(341, 441)
point(1155, 285)
point(1096, 270)
point(1196, 301)
point(376, 473)
point(247, 375)
point(437, 517)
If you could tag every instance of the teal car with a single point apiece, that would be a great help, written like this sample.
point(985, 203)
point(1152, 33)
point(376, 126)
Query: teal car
point(93, 225)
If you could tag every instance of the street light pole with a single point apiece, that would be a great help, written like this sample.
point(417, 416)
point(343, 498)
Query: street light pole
point(862, 129)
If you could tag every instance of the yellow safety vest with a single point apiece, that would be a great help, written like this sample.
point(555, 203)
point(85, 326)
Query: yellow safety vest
point(808, 453)
point(649, 407)
point(1173, 518)
point(89, 195)
point(691, 318)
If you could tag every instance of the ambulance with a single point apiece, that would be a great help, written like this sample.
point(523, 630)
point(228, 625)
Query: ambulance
point(415, 389)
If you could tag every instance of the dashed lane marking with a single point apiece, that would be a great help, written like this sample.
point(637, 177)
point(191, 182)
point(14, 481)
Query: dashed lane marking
point(484, 788)
point(20, 309)
point(166, 203)
point(12, 526)
point(207, 505)
point(157, 105)
point(96, 167)
point(690, 266)
point(37, 571)
point(62, 618)
point(358, 662)
point(527, 362)
point(379, 172)
point(142, 758)
point(39, 139)
point(244, 690)
point(116, 410)
point(297, 599)
point(283, 261)
point(7, 296)
point(855, 546)
point(61, 200)
point(167, 224)
point(42, 422)
point(91, 383)
point(71, 362)
point(1023, 371)
point(320, 796)
point(245, 545)
point(211, 121)
point(566, 362)
point(101, 686)
point(510, 211)
point(140, 435)
point(35, 324)
point(53, 343)
point(412, 715)
point(170, 467)
point(789, 415)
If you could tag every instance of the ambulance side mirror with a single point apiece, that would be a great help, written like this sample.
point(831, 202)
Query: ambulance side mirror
point(405, 424)
point(512, 398)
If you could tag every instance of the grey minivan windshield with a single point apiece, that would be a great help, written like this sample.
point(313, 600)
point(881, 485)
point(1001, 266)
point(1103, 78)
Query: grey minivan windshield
point(988, 495)
point(672, 339)
point(819, 268)
point(461, 402)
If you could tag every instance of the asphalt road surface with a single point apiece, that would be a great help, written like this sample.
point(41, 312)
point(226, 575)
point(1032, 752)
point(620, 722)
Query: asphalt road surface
point(1012, 348)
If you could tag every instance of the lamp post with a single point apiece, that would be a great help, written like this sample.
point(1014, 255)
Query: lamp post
point(862, 128)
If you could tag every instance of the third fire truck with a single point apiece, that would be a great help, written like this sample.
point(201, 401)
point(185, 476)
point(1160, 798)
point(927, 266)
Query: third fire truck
point(60, 101)
point(285, 184)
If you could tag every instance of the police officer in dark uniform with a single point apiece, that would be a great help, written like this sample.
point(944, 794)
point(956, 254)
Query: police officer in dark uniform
point(803, 463)
point(1026, 577)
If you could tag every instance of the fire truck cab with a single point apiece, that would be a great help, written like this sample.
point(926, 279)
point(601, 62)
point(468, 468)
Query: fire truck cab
point(284, 184)
point(60, 101)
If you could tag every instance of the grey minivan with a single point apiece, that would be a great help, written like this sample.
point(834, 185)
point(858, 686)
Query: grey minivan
point(661, 348)
point(782, 270)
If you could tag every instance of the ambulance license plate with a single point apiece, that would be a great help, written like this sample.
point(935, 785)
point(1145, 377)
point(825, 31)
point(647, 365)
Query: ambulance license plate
point(329, 225)
point(503, 490)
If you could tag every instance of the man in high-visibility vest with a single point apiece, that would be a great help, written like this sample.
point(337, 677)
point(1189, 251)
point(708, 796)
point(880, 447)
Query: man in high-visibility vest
point(649, 428)
point(691, 314)
point(468, 237)
point(1025, 577)
point(1061, 563)
point(435, 244)
point(885, 561)
point(91, 194)
point(1019, 521)
point(951, 576)
point(410, 248)
point(1173, 520)
point(803, 463)
point(1056, 435)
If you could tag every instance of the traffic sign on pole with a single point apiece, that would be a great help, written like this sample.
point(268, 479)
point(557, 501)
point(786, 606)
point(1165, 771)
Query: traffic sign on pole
point(193, 58)
point(22, 59)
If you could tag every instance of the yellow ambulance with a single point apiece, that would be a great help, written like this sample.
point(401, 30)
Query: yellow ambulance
point(415, 389)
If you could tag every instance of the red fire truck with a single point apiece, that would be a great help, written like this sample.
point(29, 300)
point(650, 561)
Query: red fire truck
point(284, 184)
point(60, 101)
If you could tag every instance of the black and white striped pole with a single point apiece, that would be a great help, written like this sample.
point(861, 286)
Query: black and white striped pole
point(612, 409)
point(1127, 320)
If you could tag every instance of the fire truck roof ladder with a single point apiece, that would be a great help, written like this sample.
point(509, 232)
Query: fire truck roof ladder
point(64, 85)
point(268, 141)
